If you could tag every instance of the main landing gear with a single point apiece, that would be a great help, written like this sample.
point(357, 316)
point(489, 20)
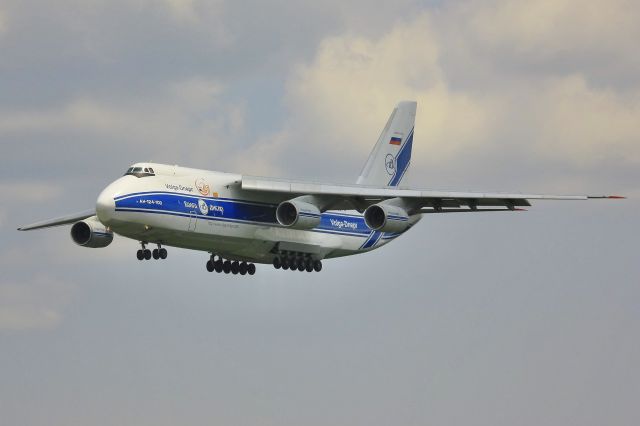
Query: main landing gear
point(218, 264)
point(146, 254)
point(297, 262)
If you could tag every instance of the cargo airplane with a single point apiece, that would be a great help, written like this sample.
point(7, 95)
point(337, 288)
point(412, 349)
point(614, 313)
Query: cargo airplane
point(242, 220)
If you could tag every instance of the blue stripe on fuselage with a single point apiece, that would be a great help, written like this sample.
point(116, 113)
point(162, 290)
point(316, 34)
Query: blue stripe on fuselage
point(233, 210)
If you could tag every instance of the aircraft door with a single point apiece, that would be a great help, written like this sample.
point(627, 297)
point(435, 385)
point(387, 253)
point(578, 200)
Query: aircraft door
point(193, 218)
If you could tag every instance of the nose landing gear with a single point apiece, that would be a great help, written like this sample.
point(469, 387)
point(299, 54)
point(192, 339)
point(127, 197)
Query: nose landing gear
point(160, 253)
point(145, 254)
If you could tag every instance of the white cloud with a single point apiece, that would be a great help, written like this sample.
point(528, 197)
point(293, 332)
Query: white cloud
point(584, 125)
point(340, 100)
point(181, 123)
point(36, 304)
point(350, 87)
point(547, 27)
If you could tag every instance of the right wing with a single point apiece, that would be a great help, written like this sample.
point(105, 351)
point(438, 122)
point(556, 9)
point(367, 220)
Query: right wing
point(344, 197)
point(63, 220)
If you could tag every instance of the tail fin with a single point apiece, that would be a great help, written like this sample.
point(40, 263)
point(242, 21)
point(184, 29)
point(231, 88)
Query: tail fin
point(390, 157)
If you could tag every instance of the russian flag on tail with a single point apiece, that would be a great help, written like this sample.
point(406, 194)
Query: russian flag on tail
point(395, 140)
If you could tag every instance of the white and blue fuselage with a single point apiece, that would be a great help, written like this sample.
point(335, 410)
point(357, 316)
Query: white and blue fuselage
point(209, 211)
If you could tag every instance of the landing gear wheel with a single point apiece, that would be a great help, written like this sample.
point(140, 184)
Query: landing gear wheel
point(277, 263)
point(163, 253)
point(293, 262)
point(317, 266)
point(251, 269)
point(156, 254)
point(217, 265)
point(147, 254)
point(140, 255)
point(285, 263)
point(226, 266)
point(301, 266)
point(242, 268)
point(308, 265)
point(234, 267)
point(209, 266)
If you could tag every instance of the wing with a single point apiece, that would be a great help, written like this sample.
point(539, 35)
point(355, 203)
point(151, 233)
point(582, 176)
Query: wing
point(63, 220)
point(344, 197)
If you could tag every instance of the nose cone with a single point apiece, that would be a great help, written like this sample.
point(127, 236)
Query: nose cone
point(105, 205)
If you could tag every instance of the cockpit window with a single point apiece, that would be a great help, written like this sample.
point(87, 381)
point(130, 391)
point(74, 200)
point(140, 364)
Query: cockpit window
point(140, 172)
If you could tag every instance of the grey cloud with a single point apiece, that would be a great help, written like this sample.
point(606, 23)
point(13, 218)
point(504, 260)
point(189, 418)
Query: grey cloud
point(34, 304)
point(522, 318)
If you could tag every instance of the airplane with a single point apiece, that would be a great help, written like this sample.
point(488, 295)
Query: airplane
point(242, 220)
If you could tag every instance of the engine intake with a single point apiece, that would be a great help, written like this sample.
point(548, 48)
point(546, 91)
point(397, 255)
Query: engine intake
point(298, 214)
point(91, 233)
point(386, 218)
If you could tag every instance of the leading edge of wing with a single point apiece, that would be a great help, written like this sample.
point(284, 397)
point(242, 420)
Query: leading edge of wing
point(58, 221)
point(254, 183)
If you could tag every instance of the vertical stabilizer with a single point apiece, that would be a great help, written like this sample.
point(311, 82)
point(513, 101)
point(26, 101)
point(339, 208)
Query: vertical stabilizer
point(389, 160)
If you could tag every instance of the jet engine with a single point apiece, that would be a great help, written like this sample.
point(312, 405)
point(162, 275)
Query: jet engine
point(386, 218)
point(298, 214)
point(91, 233)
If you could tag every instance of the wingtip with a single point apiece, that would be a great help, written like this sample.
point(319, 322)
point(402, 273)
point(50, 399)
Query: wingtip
point(607, 197)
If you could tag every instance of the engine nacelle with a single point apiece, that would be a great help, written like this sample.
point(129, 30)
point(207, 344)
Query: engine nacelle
point(386, 218)
point(91, 233)
point(297, 214)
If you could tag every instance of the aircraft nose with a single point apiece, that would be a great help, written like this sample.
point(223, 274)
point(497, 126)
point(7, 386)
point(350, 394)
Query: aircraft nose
point(105, 205)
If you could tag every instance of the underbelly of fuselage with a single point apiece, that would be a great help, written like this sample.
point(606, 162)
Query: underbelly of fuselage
point(258, 243)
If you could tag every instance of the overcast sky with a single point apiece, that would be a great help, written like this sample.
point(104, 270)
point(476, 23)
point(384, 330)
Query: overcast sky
point(490, 319)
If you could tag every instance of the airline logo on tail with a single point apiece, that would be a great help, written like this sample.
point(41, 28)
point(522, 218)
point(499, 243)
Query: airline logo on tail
point(395, 141)
point(390, 164)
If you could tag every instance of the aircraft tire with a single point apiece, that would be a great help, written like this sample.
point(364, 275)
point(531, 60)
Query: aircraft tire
point(277, 263)
point(308, 266)
point(293, 263)
point(301, 266)
point(140, 255)
point(217, 265)
point(163, 253)
point(226, 266)
point(156, 254)
point(242, 268)
point(209, 265)
point(234, 267)
point(251, 269)
point(317, 266)
point(147, 254)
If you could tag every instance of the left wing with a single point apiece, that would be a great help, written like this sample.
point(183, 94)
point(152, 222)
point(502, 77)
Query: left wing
point(344, 197)
point(63, 220)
